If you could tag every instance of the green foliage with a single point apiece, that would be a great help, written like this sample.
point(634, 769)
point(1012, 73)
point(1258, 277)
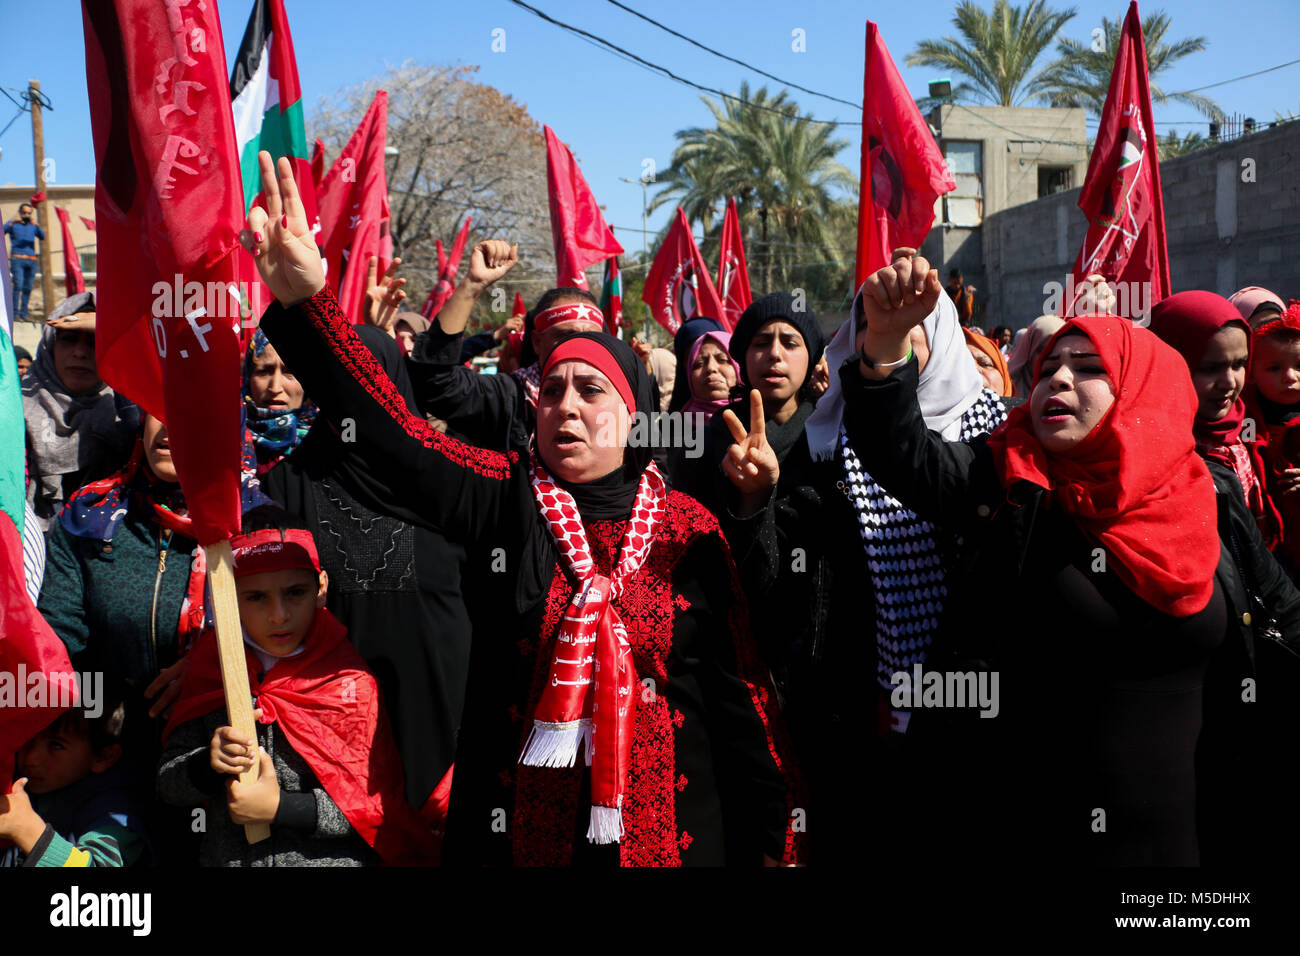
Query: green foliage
point(996, 51)
point(1081, 75)
point(1172, 145)
point(791, 193)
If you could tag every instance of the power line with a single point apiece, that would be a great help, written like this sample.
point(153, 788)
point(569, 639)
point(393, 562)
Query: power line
point(1025, 137)
point(788, 114)
point(731, 59)
point(1245, 76)
point(1210, 86)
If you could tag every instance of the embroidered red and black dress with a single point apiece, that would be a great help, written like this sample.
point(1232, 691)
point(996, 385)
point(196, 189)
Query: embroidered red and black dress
point(709, 781)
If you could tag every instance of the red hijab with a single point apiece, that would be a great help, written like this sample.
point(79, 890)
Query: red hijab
point(1134, 484)
point(326, 702)
point(1187, 321)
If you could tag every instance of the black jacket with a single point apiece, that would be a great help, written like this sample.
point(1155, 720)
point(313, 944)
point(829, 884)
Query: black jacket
point(804, 570)
point(1080, 696)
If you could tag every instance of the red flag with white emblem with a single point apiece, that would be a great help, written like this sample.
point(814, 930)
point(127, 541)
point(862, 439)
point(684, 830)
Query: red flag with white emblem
point(678, 286)
point(1121, 193)
point(902, 170)
point(733, 273)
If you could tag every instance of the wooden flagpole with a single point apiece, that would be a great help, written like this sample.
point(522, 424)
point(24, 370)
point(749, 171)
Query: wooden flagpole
point(234, 669)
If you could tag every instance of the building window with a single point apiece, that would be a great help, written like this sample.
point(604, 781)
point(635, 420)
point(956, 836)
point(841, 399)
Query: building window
point(964, 206)
point(1053, 179)
point(87, 263)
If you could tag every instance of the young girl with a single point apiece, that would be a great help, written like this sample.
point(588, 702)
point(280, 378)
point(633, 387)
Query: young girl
point(1215, 342)
point(1273, 400)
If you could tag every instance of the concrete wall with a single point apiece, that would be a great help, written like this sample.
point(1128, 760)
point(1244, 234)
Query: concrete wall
point(1223, 232)
point(1016, 141)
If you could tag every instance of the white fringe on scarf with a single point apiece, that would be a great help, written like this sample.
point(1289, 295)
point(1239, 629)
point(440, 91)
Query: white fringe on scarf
point(606, 825)
point(556, 745)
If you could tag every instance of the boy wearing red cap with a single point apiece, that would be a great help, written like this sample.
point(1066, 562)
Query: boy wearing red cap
point(330, 779)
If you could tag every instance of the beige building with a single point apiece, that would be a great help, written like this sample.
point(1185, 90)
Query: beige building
point(1000, 157)
point(79, 201)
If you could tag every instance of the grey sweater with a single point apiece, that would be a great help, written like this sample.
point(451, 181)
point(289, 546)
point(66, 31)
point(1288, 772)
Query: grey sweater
point(309, 829)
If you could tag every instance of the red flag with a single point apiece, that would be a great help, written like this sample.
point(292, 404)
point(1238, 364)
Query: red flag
point(72, 280)
point(168, 192)
point(448, 266)
point(678, 286)
point(317, 163)
point(31, 656)
point(577, 226)
point(1121, 193)
point(88, 223)
point(518, 310)
point(902, 171)
point(353, 203)
point(733, 273)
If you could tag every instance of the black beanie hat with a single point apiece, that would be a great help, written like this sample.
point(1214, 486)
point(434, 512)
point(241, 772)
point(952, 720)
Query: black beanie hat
point(777, 305)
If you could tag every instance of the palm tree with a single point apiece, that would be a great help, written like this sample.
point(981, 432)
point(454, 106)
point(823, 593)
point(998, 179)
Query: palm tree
point(997, 51)
point(1081, 76)
point(779, 165)
point(1172, 145)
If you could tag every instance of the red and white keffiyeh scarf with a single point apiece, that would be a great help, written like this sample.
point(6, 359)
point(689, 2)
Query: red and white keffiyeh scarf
point(589, 692)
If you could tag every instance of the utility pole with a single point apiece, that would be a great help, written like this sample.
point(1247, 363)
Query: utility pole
point(645, 249)
point(42, 216)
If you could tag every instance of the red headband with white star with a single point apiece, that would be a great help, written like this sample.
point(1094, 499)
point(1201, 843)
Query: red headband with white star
point(569, 312)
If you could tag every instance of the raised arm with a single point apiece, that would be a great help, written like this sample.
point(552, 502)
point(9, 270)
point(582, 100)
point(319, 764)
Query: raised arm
point(941, 481)
point(456, 487)
point(481, 407)
point(489, 261)
point(478, 406)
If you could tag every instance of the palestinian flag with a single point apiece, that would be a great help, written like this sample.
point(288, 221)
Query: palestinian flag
point(267, 101)
point(611, 298)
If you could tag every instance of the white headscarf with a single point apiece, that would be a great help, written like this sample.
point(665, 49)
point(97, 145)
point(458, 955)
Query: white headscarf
point(1021, 361)
point(950, 383)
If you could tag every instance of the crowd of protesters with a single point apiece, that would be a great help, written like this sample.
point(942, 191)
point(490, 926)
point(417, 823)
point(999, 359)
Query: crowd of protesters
point(487, 622)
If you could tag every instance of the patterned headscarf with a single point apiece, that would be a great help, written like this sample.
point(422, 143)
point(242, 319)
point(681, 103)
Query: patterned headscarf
point(276, 431)
point(96, 511)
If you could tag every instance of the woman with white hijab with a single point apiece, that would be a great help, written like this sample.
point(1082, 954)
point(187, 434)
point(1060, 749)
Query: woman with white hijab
point(905, 554)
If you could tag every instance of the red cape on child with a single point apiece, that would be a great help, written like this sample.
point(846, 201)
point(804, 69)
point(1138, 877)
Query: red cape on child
point(327, 705)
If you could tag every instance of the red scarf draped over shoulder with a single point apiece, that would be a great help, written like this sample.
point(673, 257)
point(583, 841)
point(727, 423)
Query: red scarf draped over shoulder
point(1134, 484)
point(328, 707)
point(1188, 321)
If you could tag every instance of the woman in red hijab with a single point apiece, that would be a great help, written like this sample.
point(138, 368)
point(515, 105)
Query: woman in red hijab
point(1214, 340)
point(1131, 622)
point(616, 715)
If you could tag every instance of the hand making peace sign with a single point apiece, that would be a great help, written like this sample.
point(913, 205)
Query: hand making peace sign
point(751, 463)
point(280, 239)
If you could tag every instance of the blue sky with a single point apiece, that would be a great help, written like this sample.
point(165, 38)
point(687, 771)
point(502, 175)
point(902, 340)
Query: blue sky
point(614, 114)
